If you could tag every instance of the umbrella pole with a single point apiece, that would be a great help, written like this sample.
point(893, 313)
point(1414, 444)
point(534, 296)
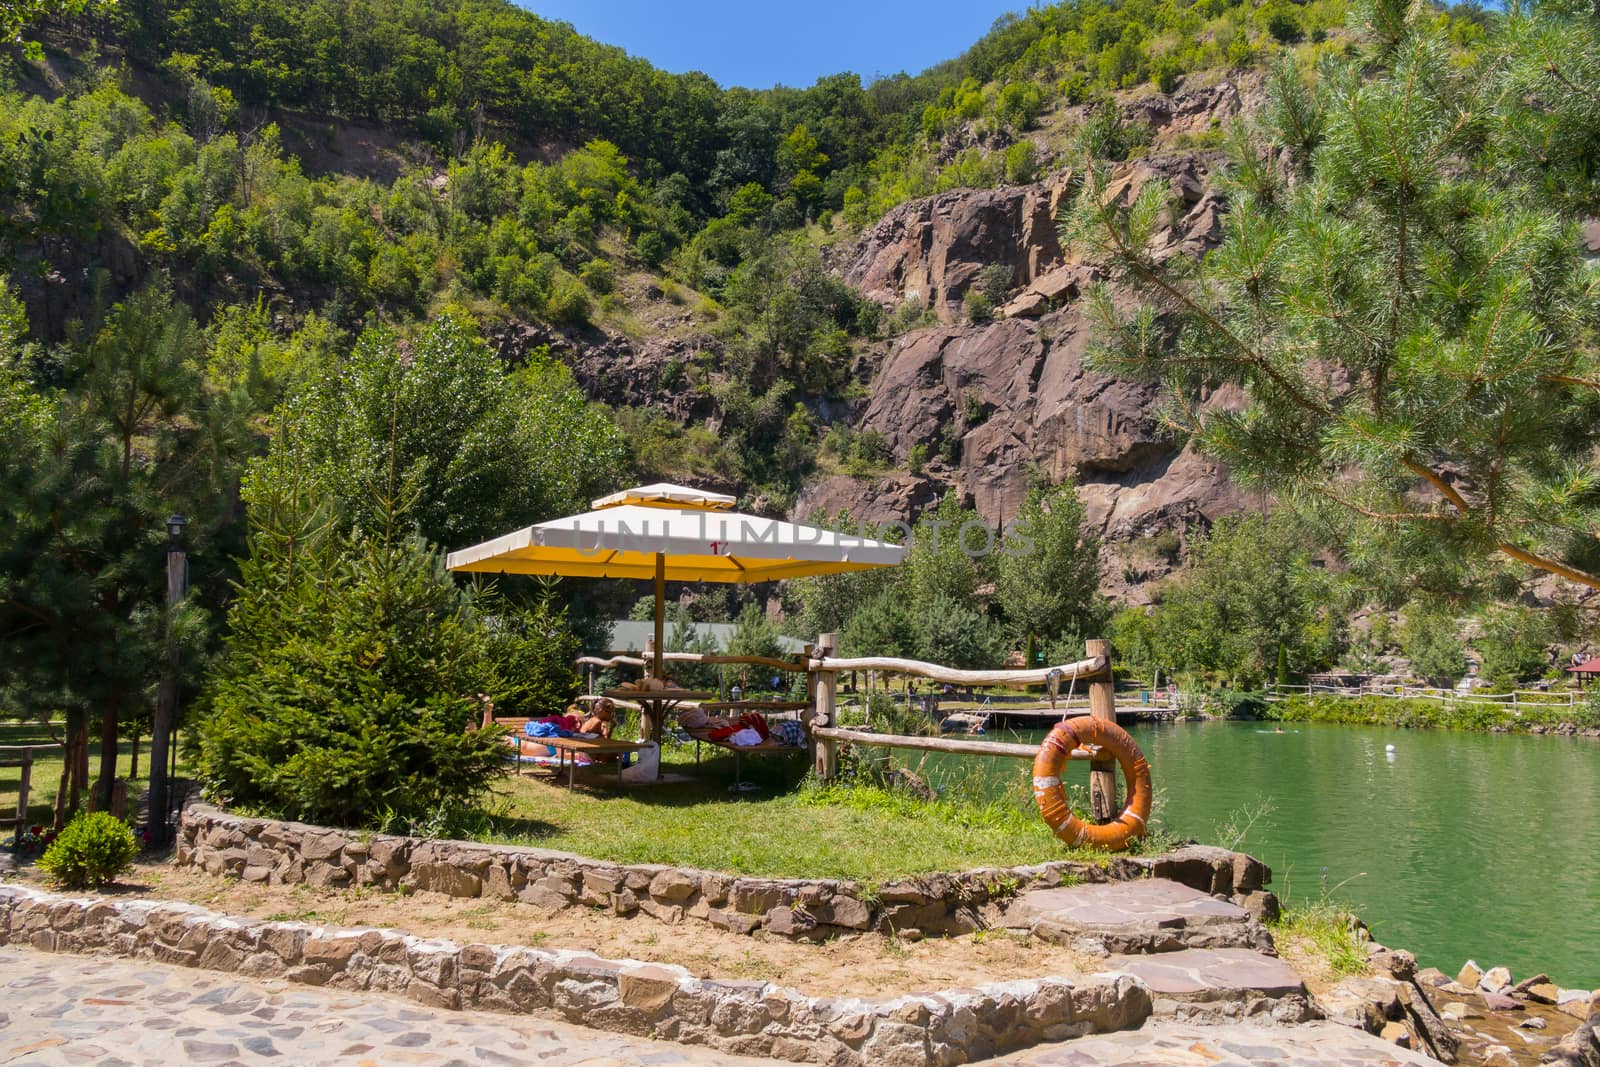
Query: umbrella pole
point(661, 609)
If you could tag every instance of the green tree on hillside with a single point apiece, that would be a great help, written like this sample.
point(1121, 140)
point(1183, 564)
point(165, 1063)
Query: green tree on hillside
point(1515, 645)
point(1245, 602)
point(1408, 316)
point(1048, 573)
point(1428, 638)
point(477, 450)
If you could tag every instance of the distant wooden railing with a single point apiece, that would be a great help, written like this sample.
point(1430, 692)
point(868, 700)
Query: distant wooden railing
point(1516, 698)
point(21, 756)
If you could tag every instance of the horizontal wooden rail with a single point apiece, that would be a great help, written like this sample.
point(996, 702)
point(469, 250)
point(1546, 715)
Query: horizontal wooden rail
point(791, 665)
point(1084, 668)
point(939, 744)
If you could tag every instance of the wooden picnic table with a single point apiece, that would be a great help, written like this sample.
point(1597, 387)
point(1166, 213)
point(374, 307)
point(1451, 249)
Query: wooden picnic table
point(755, 705)
point(766, 748)
point(596, 747)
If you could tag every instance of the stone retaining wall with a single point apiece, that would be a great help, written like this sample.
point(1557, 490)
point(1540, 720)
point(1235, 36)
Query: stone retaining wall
point(276, 852)
point(653, 1000)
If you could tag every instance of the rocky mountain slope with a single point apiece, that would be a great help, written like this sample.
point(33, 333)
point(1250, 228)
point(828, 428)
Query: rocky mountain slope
point(994, 405)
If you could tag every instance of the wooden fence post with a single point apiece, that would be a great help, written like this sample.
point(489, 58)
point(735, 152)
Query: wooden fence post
point(22, 798)
point(825, 684)
point(647, 719)
point(1102, 705)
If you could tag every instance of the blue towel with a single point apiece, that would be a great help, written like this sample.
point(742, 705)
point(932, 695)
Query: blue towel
point(545, 729)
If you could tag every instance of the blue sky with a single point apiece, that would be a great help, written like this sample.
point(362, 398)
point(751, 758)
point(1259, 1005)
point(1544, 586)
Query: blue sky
point(760, 43)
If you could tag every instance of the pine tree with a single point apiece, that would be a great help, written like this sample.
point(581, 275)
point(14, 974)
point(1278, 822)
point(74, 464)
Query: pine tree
point(346, 690)
point(1407, 314)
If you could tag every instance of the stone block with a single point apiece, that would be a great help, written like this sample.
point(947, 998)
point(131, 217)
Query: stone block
point(325, 875)
point(333, 952)
point(758, 898)
point(846, 911)
point(672, 885)
point(790, 922)
point(1495, 980)
point(737, 921)
point(647, 989)
point(1542, 993)
point(1469, 974)
point(321, 846)
point(667, 913)
point(446, 878)
point(497, 883)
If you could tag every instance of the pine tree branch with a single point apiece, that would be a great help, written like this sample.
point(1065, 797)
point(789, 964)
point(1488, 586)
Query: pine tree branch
point(1438, 482)
point(1549, 566)
point(1380, 516)
point(1564, 379)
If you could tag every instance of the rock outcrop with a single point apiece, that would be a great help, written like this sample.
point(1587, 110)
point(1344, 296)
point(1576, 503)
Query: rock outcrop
point(989, 407)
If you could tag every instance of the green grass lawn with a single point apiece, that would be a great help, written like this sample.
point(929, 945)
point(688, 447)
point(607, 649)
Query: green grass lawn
point(46, 776)
point(860, 832)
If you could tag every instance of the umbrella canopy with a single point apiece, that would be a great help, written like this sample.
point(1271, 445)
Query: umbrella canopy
point(675, 533)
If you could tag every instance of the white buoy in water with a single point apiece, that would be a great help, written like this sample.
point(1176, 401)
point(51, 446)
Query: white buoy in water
point(1388, 748)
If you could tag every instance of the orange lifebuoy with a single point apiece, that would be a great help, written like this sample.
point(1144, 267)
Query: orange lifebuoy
point(1051, 795)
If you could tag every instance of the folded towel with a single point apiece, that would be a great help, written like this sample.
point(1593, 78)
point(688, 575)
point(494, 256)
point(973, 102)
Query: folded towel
point(745, 738)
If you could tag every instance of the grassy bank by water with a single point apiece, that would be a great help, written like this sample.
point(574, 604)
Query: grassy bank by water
point(1429, 714)
point(862, 831)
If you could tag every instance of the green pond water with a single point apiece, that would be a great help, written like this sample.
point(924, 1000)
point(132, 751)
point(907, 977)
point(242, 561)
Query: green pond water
point(1452, 846)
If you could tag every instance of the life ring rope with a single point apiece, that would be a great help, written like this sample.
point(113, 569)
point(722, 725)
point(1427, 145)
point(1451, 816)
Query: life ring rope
point(1097, 737)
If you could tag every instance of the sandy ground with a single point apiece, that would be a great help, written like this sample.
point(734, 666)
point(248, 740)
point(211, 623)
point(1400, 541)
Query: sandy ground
point(864, 964)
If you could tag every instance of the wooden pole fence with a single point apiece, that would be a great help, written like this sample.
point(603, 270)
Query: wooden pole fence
point(21, 756)
point(953, 745)
point(1103, 706)
point(1093, 667)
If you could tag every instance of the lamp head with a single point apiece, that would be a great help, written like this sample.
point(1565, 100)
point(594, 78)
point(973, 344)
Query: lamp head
point(175, 525)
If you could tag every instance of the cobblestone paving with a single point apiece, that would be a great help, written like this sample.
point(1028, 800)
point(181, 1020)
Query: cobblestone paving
point(1173, 1044)
point(73, 1010)
point(61, 1010)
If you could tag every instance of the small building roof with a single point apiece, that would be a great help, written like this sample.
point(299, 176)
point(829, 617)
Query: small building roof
point(629, 635)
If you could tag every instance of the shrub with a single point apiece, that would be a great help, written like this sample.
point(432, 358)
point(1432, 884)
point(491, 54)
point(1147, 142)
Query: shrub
point(91, 851)
point(651, 247)
point(596, 274)
point(1233, 704)
point(1022, 163)
point(979, 308)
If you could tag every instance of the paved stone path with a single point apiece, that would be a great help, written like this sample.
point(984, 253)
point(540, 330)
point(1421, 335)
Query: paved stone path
point(1174, 1044)
point(73, 1010)
point(1154, 915)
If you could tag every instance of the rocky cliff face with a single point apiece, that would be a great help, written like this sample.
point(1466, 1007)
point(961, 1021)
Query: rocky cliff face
point(993, 406)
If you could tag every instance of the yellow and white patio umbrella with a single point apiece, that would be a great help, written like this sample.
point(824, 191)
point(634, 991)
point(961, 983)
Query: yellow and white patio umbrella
point(674, 533)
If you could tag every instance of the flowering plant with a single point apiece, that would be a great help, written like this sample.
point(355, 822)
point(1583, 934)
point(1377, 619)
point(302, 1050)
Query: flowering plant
point(35, 839)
